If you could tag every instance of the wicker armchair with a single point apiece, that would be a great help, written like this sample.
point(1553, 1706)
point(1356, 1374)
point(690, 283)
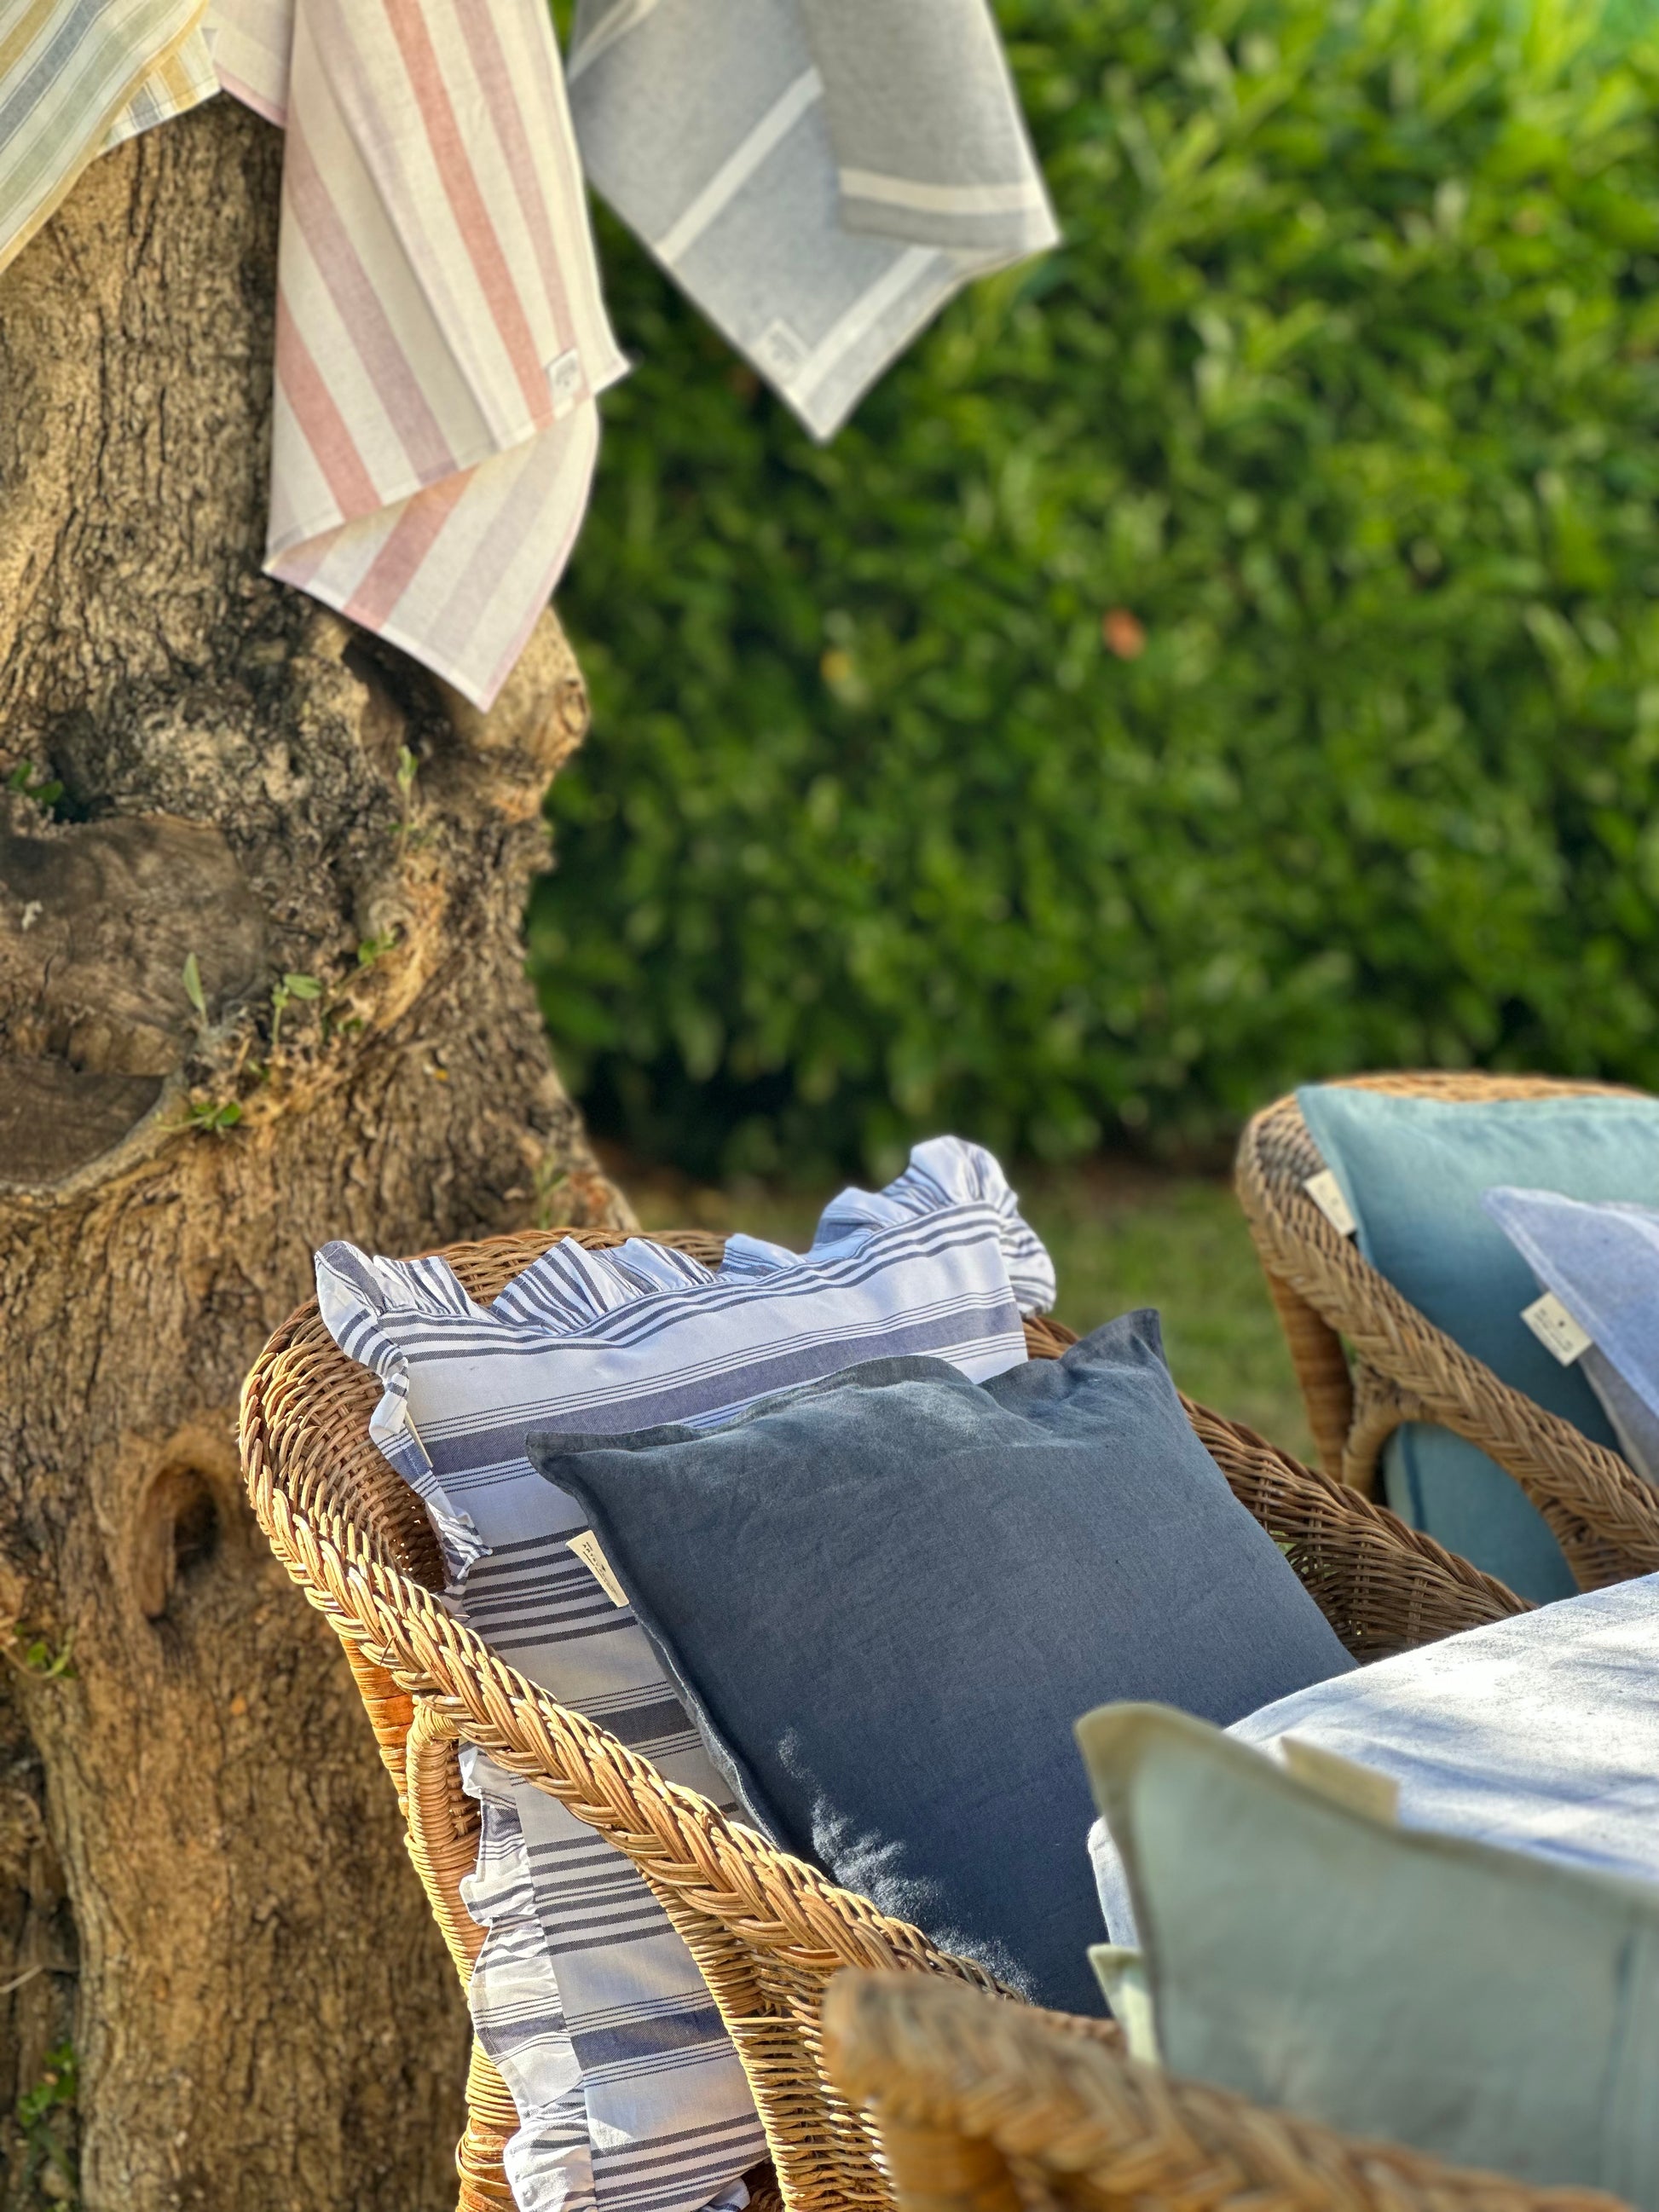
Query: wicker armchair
point(767, 1931)
point(1398, 1367)
point(987, 2107)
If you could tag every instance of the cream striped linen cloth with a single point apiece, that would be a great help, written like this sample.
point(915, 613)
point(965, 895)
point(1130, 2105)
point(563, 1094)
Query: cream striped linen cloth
point(77, 77)
point(181, 81)
point(441, 336)
point(820, 176)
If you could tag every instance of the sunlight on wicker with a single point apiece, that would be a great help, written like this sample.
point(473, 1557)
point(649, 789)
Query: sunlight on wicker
point(1603, 1516)
point(981, 2107)
point(767, 1931)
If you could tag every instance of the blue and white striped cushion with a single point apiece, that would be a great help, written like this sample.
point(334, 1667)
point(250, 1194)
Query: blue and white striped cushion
point(585, 1997)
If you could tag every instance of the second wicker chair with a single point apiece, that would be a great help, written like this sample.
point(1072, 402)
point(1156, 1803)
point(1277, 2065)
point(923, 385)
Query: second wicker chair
point(1398, 1367)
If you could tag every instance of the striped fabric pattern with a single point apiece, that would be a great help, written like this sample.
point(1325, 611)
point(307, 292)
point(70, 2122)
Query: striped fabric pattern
point(655, 2053)
point(553, 2161)
point(180, 80)
point(819, 176)
point(77, 77)
point(609, 2002)
point(441, 336)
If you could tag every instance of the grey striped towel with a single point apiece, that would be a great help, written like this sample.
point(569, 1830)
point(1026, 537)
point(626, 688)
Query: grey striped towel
point(820, 176)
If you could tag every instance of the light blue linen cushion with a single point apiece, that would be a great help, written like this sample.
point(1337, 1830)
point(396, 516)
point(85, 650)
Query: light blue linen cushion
point(1413, 1171)
point(1486, 2006)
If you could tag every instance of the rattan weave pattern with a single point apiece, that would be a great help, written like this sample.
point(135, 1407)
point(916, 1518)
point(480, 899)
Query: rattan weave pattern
point(984, 2107)
point(1603, 1516)
point(767, 1931)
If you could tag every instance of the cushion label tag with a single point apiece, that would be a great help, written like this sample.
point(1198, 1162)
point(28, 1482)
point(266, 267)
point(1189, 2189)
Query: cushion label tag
point(1326, 1192)
point(1344, 1781)
point(1555, 1329)
point(588, 1550)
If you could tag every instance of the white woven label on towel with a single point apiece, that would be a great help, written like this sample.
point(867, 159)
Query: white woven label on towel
point(780, 350)
point(1556, 1329)
point(1326, 1192)
point(586, 1548)
point(565, 381)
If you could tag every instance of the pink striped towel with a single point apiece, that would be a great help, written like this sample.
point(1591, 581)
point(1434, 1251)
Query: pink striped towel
point(441, 336)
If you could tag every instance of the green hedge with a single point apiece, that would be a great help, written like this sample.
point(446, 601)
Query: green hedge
point(1344, 390)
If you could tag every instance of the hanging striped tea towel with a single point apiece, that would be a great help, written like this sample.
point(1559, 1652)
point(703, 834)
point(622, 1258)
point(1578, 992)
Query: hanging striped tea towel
point(819, 176)
point(77, 77)
point(440, 336)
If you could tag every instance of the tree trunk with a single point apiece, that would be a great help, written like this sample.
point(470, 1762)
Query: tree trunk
point(219, 1986)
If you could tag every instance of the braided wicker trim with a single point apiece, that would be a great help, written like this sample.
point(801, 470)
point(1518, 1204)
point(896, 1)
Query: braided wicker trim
point(683, 1841)
point(1604, 1517)
point(947, 2074)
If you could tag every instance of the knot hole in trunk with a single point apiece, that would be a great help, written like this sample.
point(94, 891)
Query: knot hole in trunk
point(179, 1534)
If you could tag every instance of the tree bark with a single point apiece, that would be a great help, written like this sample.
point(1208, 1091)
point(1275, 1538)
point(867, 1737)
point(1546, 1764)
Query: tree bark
point(219, 1986)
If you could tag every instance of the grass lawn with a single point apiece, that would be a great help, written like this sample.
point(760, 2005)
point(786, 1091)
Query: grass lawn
point(1121, 1234)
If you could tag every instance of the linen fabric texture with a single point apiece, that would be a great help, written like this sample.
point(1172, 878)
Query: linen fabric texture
point(76, 78)
point(819, 176)
point(1602, 1263)
point(441, 336)
point(1488, 2006)
point(1537, 1734)
point(1414, 1172)
point(627, 2090)
point(566, 2087)
point(885, 1598)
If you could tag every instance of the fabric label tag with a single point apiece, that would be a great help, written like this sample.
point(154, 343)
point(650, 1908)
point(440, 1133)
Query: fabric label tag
point(564, 380)
point(586, 1548)
point(1556, 1329)
point(1344, 1781)
point(1121, 1973)
point(781, 349)
point(1326, 1192)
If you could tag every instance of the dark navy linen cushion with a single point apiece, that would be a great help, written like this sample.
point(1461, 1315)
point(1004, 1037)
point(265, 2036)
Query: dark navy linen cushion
point(887, 1596)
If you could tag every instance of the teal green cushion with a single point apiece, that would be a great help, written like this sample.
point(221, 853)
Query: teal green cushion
point(1488, 2007)
point(1413, 1171)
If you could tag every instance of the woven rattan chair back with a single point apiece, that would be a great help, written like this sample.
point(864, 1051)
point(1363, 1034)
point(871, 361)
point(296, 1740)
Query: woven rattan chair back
point(1398, 1367)
point(767, 1931)
point(987, 2107)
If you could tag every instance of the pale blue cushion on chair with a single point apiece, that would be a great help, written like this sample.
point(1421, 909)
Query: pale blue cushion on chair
point(1483, 2005)
point(1413, 1171)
